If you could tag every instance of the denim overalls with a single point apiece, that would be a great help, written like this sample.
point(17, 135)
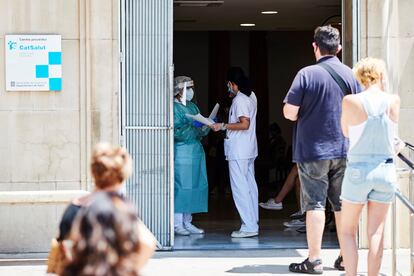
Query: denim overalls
point(370, 173)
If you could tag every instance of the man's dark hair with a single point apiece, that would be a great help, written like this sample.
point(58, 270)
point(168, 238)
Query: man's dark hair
point(327, 38)
point(237, 76)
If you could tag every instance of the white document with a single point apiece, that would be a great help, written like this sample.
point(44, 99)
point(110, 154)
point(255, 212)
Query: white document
point(205, 121)
point(200, 118)
point(213, 113)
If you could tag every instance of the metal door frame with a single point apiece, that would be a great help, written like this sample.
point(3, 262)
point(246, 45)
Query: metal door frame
point(351, 53)
point(355, 54)
point(122, 126)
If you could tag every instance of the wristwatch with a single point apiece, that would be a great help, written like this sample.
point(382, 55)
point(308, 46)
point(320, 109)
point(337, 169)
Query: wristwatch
point(223, 126)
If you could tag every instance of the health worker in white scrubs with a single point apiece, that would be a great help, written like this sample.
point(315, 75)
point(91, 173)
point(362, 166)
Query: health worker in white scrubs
point(240, 148)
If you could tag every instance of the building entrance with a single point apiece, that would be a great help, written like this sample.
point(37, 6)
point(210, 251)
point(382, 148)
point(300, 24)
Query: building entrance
point(271, 42)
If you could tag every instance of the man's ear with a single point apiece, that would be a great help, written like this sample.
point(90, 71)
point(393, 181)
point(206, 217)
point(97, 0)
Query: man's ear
point(314, 46)
point(339, 48)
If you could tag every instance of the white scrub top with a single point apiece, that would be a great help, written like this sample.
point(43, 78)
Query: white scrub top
point(242, 144)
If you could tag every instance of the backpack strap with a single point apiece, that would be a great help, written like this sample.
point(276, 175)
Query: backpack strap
point(336, 77)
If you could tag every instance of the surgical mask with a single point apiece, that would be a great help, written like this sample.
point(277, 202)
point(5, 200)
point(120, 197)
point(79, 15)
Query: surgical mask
point(190, 94)
point(230, 90)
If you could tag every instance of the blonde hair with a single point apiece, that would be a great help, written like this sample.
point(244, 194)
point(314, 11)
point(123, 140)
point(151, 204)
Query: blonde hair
point(110, 165)
point(369, 71)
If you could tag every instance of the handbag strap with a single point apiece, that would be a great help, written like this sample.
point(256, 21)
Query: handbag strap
point(336, 77)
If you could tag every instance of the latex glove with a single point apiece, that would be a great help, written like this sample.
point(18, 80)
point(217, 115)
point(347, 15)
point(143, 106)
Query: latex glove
point(216, 127)
point(197, 124)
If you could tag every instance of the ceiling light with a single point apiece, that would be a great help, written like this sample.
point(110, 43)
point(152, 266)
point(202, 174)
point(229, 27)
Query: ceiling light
point(247, 25)
point(269, 12)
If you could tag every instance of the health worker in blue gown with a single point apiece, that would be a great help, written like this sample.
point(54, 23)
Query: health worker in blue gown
point(190, 174)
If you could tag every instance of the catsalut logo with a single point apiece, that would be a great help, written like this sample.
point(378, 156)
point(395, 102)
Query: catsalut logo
point(12, 45)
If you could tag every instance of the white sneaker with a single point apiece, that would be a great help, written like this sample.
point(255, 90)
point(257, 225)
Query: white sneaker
point(294, 223)
point(271, 205)
point(192, 229)
point(243, 234)
point(181, 231)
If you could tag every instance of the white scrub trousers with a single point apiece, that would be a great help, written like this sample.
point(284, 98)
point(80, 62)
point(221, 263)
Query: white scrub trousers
point(245, 193)
point(181, 219)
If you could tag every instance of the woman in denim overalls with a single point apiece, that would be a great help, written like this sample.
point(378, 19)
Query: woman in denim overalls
point(369, 120)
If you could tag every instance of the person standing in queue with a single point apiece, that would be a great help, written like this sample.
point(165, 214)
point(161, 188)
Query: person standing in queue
point(369, 119)
point(240, 148)
point(190, 173)
point(313, 102)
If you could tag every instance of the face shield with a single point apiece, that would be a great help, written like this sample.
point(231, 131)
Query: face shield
point(184, 84)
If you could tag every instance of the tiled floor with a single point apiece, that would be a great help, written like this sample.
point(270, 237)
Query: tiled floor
point(223, 218)
point(269, 238)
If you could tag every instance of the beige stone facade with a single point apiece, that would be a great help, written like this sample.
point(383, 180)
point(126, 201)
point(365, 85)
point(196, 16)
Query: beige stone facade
point(46, 136)
point(387, 32)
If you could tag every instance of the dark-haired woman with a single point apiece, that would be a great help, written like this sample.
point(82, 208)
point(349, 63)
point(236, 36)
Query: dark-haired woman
point(106, 239)
point(110, 167)
point(240, 148)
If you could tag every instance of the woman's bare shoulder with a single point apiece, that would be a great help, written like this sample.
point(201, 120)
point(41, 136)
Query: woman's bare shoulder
point(395, 98)
point(81, 201)
point(350, 100)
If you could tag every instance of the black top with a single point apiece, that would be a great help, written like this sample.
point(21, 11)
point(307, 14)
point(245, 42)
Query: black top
point(69, 216)
point(67, 220)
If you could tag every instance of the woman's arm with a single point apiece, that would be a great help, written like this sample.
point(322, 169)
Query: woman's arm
point(395, 109)
point(344, 115)
point(147, 244)
point(183, 127)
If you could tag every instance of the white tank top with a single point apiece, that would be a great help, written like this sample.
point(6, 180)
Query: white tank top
point(376, 100)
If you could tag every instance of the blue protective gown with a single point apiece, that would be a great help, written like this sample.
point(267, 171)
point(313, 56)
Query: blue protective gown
point(190, 174)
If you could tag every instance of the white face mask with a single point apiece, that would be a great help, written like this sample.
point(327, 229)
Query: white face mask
point(230, 89)
point(190, 94)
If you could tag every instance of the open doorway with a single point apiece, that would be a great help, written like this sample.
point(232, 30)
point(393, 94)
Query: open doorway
point(209, 39)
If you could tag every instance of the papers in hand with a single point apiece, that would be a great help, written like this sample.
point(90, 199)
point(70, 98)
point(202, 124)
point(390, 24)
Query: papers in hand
point(200, 118)
point(205, 121)
point(213, 113)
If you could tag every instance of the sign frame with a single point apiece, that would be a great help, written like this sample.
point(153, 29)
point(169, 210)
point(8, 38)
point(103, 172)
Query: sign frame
point(33, 62)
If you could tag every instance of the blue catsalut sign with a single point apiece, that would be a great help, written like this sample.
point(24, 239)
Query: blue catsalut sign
point(33, 62)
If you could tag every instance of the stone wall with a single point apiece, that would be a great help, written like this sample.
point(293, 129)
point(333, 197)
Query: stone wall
point(388, 32)
point(47, 136)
